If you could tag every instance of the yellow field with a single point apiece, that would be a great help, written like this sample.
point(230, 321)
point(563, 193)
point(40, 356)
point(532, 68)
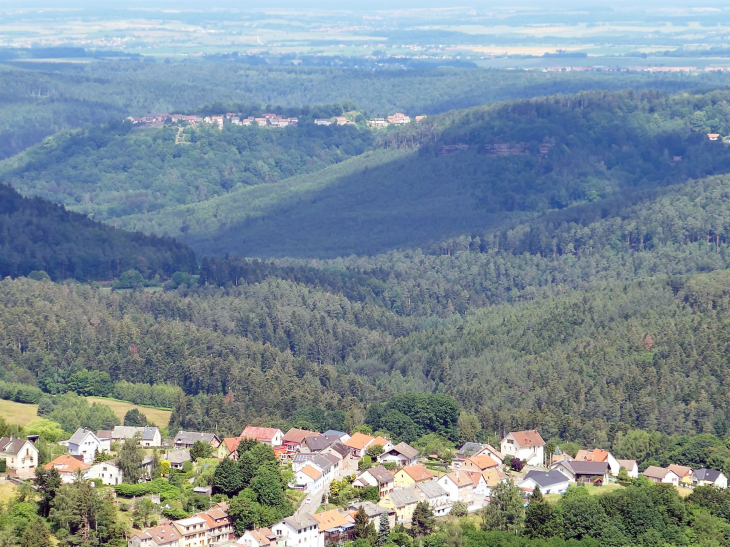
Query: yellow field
point(17, 413)
point(7, 491)
point(160, 418)
point(21, 414)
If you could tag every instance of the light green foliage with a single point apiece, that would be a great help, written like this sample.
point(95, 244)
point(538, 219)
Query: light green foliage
point(48, 429)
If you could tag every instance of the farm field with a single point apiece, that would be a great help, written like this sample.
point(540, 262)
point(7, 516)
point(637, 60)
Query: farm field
point(158, 417)
point(22, 414)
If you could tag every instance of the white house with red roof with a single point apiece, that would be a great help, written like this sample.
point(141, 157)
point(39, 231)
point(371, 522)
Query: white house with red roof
point(527, 445)
point(267, 435)
point(309, 479)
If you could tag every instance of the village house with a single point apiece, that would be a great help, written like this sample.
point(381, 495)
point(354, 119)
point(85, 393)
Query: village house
point(309, 479)
point(220, 525)
point(300, 460)
point(493, 476)
point(478, 463)
point(373, 512)
point(146, 436)
point(403, 501)
point(399, 119)
point(583, 472)
point(336, 526)
point(550, 482)
point(339, 451)
point(67, 466)
point(193, 531)
point(85, 444)
point(325, 465)
point(322, 121)
point(177, 458)
point(107, 472)
point(159, 536)
point(378, 477)
point(267, 435)
point(358, 444)
point(412, 474)
point(401, 454)
point(105, 438)
point(599, 455)
point(231, 444)
point(294, 438)
point(298, 531)
point(660, 475)
point(258, 537)
point(528, 446)
point(384, 443)
point(480, 488)
point(685, 474)
point(315, 444)
point(341, 435)
point(186, 439)
point(436, 496)
point(20, 455)
point(710, 477)
point(713, 136)
point(459, 486)
point(632, 468)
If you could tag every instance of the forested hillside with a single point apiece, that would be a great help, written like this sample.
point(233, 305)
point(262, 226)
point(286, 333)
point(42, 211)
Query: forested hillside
point(114, 171)
point(40, 100)
point(561, 151)
point(37, 235)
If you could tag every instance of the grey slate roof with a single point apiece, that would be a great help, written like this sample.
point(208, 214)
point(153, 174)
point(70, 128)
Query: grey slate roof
point(317, 444)
point(79, 436)
point(381, 474)
point(339, 434)
point(371, 510)
point(301, 521)
point(190, 437)
point(546, 478)
point(334, 459)
point(341, 449)
point(178, 456)
point(431, 489)
point(403, 497)
point(11, 446)
point(586, 468)
point(469, 449)
point(323, 463)
point(705, 474)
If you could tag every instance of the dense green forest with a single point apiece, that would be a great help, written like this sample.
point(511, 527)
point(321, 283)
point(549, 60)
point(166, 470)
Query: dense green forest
point(114, 171)
point(406, 193)
point(42, 99)
point(42, 237)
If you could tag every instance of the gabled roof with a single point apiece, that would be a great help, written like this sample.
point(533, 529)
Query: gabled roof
point(296, 436)
point(190, 437)
point(469, 449)
point(460, 479)
point(475, 477)
point(190, 521)
point(148, 433)
point(333, 519)
point(493, 476)
point(494, 451)
point(11, 446)
point(483, 462)
point(382, 441)
point(178, 456)
point(680, 470)
point(301, 521)
point(431, 489)
point(586, 468)
point(104, 434)
point(319, 443)
point(302, 457)
point(340, 448)
point(311, 472)
point(79, 436)
point(66, 464)
point(527, 438)
point(339, 434)
point(161, 535)
point(213, 521)
point(371, 510)
point(546, 478)
point(261, 535)
point(404, 450)
point(403, 497)
point(627, 464)
point(323, 463)
point(418, 472)
point(592, 455)
point(381, 474)
point(332, 458)
point(232, 443)
point(262, 434)
point(359, 441)
point(710, 475)
point(654, 472)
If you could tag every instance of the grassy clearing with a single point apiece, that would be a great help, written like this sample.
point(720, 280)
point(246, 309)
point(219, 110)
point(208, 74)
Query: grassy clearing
point(17, 413)
point(7, 491)
point(158, 417)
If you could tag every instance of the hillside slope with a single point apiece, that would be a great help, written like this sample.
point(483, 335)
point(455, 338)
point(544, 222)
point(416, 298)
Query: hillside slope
point(470, 169)
point(40, 235)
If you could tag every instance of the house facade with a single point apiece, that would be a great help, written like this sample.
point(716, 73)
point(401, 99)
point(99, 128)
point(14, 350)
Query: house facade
point(401, 455)
point(378, 477)
point(527, 445)
point(459, 486)
point(412, 474)
point(550, 482)
point(661, 475)
point(298, 531)
point(20, 455)
point(85, 444)
point(403, 501)
point(309, 479)
point(159, 536)
point(710, 477)
point(599, 455)
point(107, 472)
point(186, 439)
point(436, 496)
point(267, 435)
point(631, 466)
point(193, 531)
point(67, 467)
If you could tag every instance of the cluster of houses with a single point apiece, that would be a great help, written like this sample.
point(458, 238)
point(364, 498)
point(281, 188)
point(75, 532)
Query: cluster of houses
point(266, 120)
point(396, 119)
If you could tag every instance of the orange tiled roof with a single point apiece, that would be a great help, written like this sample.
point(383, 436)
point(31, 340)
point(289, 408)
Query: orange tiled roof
point(311, 472)
point(359, 441)
point(295, 435)
point(67, 464)
point(527, 438)
point(418, 472)
point(594, 455)
point(382, 441)
point(483, 462)
point(232, 443)
point(331, 519)
point(461, 478)
point(263, 434)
